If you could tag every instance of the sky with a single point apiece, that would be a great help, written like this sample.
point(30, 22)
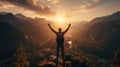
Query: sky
point(61, 10)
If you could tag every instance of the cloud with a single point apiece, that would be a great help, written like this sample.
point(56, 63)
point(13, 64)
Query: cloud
point(84, 8)
point(95, 0)
point(53, 1)
point(2, 6)
point(31, 5)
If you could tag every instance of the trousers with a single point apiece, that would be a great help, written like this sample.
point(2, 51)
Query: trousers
point(60, 46)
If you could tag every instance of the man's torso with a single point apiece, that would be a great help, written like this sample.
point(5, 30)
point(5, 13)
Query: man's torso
point(60, 38)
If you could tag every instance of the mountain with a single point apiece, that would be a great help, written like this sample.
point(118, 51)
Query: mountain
point(20, 16)
point(10, 39)
point(3, 13)
point(18, 30)
point(114, 16)
point(31, 27)
point(102, 36)
point(94, 37)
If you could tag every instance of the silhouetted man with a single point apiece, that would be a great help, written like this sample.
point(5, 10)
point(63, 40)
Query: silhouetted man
point(60, 41)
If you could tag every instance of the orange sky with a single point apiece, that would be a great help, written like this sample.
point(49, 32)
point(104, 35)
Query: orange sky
point(69, 10)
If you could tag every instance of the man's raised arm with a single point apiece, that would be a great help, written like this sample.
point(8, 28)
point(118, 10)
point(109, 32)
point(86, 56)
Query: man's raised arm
point(67, 28)
point(52, 28)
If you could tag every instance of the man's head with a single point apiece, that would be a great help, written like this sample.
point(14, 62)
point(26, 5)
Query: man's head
point(60, 29)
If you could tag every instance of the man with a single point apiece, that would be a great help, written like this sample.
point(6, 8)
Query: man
point(60, 41)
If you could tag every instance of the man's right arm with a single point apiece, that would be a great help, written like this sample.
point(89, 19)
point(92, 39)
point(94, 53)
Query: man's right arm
point(52, 28)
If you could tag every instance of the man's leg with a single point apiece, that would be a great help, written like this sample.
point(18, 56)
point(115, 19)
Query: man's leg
point(62, 49)
point(57, 56)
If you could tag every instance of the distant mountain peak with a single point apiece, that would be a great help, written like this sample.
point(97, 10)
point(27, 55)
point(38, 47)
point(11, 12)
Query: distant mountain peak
point(113, 16)
point(7, 14)
point(3, 13)
point(118, 12)
point(20, 16)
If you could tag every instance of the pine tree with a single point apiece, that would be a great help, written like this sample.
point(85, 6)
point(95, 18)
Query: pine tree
point(20, 58)
point(116, 60)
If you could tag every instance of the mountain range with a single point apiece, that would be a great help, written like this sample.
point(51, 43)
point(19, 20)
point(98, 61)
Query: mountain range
point(99, 37)
point(10, 39)
point(103, 35)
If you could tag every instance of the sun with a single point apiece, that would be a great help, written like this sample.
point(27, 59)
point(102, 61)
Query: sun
point(60, 19)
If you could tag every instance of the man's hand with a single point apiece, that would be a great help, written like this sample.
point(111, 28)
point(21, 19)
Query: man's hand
point(69, 23)
point(48, 24)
